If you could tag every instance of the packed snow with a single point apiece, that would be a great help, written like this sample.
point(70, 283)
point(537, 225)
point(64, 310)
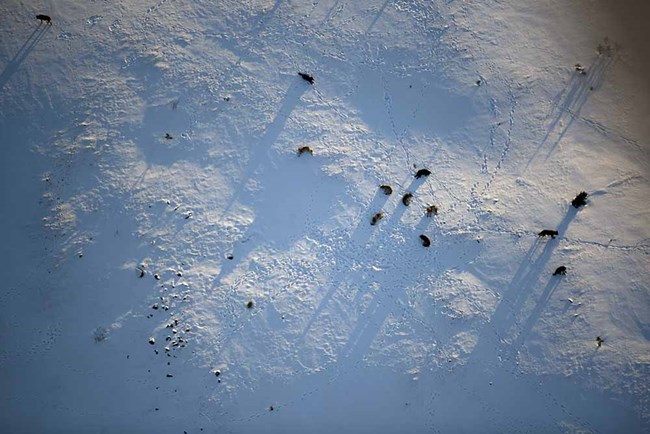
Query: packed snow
point(175, 264)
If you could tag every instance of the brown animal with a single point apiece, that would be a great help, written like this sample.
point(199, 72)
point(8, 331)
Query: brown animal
point(305, 149)
point(426, 242)
point(580, 200)
point(44, 19)
point(431, 211)
point(548, 233)
point(406, 199)
point(386, 189)
point(375, 219)
point(560, 271)
point(306, 77)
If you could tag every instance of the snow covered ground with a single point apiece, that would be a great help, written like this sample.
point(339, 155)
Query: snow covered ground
point(113, 234)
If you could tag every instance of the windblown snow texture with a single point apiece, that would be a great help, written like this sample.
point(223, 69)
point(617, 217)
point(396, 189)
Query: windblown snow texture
point(173, 264)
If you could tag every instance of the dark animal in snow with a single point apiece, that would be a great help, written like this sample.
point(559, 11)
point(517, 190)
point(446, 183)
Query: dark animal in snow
point(560, 271)
point(406, 199)
point(581, 69)
point(168, 136)
point(386, 189)
point(426, 242)
point(599, 341)
point(141, 275)
point(305, 149)
point(580, 200)
point(306, 77)
point(249, 304)
point(422, 172)
point(431, 211)
point(548, 233)
point(376, 218)
point(44, 18)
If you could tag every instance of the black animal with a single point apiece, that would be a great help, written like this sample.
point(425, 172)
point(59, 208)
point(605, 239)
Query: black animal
point(386, 189)
point(168, 136)
point(431, 211)
point(599, 341)
point(249, 305)
point(376, 218)
point(426, 242)
point(548, 233)
point(44, 19)
point(306, 77)
point(560, 271)
point(580, 200)
point(406, 199)
point(304, 149)
point(422, 172)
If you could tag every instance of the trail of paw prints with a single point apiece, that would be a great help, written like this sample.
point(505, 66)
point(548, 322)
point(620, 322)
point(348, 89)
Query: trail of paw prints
point(506, 361)
point(506, 144)
point(477, 190)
